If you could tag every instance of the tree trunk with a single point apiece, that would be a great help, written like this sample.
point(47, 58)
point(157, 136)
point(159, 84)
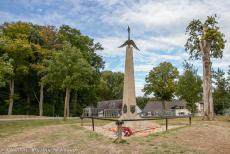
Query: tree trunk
point(41, 100)
point(74, 111)
point(53, 109)
point(28, 105)
point(11, 99)
point(66, 107)
point(207, 82)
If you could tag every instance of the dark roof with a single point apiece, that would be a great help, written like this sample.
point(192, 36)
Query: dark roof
point(155, 106)
point(111, 104)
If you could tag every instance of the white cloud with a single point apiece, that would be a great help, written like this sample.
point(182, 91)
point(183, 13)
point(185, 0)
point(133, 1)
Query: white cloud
point(109, 2)
point(157, 27)
point(164, 14)
point(143, 67)
point(111, 45)
point(160, 27)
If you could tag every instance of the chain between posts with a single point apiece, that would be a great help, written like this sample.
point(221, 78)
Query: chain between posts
point(119, 123)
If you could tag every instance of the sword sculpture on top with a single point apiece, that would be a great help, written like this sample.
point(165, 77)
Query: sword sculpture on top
point(129, 95)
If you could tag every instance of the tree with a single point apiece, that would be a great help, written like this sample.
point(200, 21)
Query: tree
point(88, 50)
point(189, 87)
point(19, 50)
point(221, 96)
point(67, 69)
point(111, 85)
point(161, 82)
point(205, 41)
point(6, 70)
point(44, 40)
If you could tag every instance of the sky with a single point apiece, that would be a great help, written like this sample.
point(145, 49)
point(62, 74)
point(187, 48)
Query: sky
point(157, 26)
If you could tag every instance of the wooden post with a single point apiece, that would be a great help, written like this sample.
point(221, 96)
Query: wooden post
point(93, 123)
point(119, 130)
point(190, 120)
point(166, 123)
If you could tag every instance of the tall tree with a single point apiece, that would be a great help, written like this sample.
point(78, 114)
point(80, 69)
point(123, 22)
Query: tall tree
point(189, 87)
point(88, 49)
point(67, 69)
point(44, 40)
point(205, 41)
point(6, 70)
point(161, 82)
point(221, 96)
point(19, 50)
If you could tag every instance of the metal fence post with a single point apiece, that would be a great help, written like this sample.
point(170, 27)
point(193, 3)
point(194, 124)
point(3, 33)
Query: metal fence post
point(93, 123)
point(166, 123)
point(81, 120)
point(190, 120)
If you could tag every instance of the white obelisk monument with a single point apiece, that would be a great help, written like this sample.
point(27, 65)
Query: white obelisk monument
point(129, 95)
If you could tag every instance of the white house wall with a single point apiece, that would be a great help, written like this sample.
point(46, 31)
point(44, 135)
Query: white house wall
point(185, 111)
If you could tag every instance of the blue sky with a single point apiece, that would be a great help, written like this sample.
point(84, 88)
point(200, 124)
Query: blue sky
point(157, 26)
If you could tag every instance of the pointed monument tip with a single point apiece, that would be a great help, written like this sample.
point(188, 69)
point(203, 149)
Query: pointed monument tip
point(129, 41)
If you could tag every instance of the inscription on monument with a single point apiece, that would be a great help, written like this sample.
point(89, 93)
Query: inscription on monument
point(125, 108)
point(132, 108)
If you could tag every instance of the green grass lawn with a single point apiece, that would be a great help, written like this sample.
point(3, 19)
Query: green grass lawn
point(17, 126)
point(70, 134)
point(11, 127)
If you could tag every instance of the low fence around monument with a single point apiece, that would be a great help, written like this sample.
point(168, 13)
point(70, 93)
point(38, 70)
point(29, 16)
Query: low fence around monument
point(98, 112)
point(120, 122)
point(116, 113)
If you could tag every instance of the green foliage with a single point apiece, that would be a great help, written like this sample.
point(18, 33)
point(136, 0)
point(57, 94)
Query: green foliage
point(46, 37)
point(86, 45)
point(142, 101)
point(189, 87)
point(14, 42)
point(67, 69)
point(17, 30)
point(208, 31)
point(6, 69)
point(111, 85)
point(161, 81)
point(221, 95)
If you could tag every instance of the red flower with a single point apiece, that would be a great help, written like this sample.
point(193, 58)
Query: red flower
point(127, 131)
